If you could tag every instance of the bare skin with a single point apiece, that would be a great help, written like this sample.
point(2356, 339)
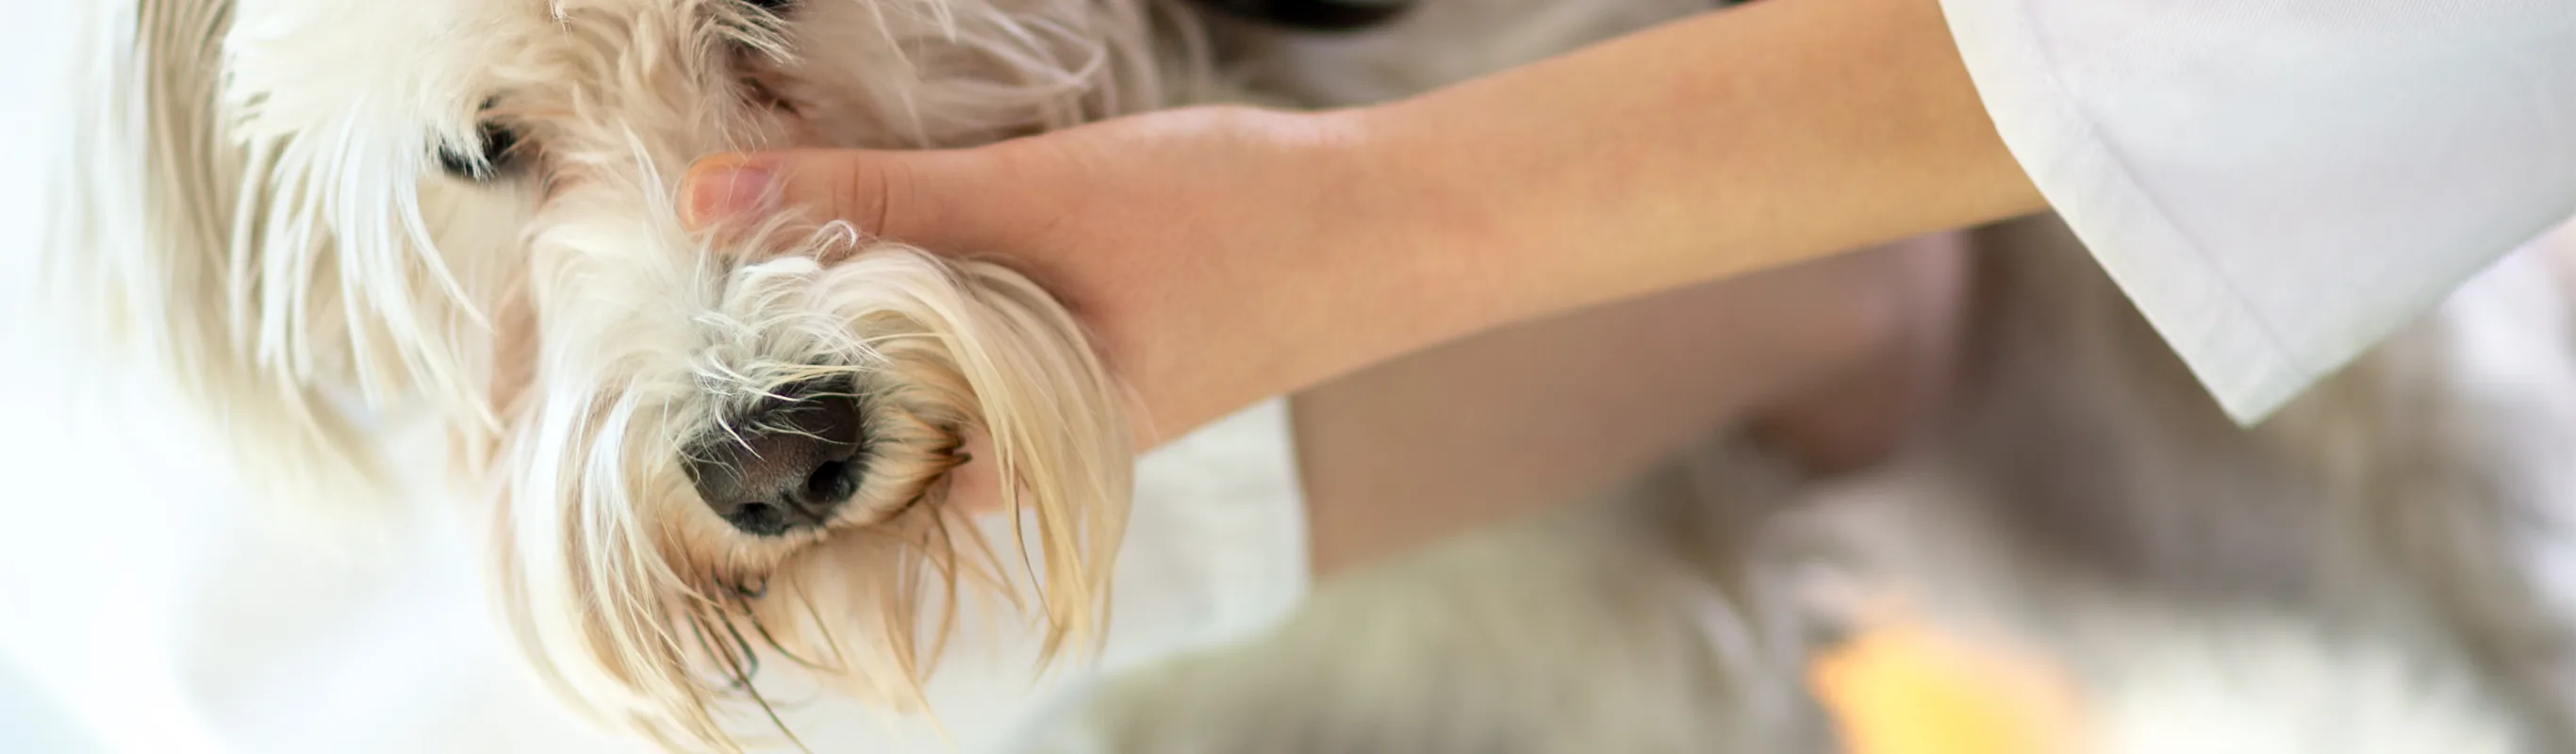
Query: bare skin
point(1224, 255)
point(1831, 361)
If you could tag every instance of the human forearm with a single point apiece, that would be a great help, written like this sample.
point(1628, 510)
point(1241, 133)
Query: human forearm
point(1223, 255)
point(1737, 141)
point(1830, 361)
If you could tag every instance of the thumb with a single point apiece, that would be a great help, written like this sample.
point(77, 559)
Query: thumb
point(917, 197)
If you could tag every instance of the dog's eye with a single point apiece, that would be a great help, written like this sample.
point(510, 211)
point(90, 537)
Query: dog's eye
point(489, 158)
point(773, 6)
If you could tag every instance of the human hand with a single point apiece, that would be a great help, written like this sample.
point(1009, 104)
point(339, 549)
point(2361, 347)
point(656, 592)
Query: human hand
point(1219, 255)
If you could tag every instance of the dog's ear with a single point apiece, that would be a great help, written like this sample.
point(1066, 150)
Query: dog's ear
point(1057, 422)
point(155, 206)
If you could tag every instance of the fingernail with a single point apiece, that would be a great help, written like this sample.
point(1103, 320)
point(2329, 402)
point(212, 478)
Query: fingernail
point(716, 191)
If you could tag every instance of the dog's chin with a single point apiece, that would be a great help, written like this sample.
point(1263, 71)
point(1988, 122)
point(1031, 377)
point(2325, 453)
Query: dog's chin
point(737, 563)
point(862, 608)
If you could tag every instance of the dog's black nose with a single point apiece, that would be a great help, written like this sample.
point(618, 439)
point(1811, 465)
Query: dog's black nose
point(787, 464)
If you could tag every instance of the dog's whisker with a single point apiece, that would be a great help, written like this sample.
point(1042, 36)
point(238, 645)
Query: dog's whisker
point(746, 661)
point(707, 644)
point(746, 592)
point(814, 621)
point(744, 670)
point(761, 628)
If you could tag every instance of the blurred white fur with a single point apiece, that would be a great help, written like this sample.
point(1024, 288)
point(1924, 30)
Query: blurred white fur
point(2377, 570)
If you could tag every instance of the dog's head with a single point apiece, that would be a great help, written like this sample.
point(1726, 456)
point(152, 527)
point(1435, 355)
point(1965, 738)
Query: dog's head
point(691, 453)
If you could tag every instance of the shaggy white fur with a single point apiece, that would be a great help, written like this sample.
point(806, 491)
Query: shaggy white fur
point(301, 213)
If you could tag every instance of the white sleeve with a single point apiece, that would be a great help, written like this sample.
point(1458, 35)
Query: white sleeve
point(2279, 184)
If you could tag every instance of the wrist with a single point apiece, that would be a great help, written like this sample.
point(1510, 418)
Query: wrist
point(1227, 254)
point(1412, 230)
point(1389, 238)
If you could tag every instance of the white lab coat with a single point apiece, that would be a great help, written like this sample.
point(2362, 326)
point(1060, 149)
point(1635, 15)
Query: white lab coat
point(2280, 184)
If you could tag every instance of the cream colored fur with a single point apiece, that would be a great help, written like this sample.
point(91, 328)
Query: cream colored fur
point(258, 220)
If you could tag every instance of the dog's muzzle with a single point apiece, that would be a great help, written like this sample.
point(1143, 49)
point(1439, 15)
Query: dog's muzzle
point(786, 465)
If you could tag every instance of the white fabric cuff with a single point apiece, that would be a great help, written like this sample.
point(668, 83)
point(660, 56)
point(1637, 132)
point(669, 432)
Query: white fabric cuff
point(2279, 184)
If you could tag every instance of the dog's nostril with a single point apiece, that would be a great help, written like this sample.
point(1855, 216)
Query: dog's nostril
point(789, 463)
point(758, 518)
point(831, 481)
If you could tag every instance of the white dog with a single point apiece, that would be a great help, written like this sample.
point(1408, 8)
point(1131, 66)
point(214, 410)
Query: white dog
point(288, 207)
point(303, 212)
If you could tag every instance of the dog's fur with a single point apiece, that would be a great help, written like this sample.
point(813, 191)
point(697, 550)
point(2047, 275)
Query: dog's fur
point(2371, 571)
point(285, 207)
point(281, 207)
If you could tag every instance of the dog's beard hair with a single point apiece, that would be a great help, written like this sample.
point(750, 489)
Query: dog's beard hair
point(653, 625)
point(254, 227)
